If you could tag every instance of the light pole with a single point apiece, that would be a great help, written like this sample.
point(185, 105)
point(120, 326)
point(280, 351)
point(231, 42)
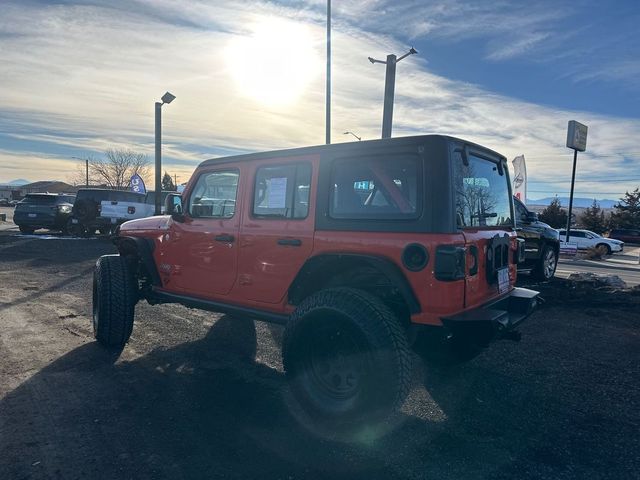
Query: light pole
point(166, 98)
point(86, 168)
point(328, 85)
point(351, 133)
point(389, 89)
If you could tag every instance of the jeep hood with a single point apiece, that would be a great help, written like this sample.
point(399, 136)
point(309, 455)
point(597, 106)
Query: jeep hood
point(161, 222)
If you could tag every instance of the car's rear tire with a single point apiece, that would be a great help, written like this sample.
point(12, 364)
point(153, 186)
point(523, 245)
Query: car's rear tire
point(27, 230)
point(115, 295)
point(546, 266)
point(348, 362)
point(605, 246)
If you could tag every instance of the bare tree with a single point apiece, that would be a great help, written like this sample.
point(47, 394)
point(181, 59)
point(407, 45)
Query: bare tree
point(114, 170)
point(118, 166)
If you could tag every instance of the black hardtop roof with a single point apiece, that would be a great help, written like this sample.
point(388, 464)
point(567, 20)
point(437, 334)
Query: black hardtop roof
point(346, 147)
point(108, 190)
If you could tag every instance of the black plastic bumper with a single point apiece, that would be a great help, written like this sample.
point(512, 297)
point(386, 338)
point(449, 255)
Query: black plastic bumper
point(496, 318)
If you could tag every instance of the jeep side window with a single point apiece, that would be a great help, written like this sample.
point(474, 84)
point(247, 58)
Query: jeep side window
point(482, 193)
point(214, 195)
point(282, 191)
point(376, 189)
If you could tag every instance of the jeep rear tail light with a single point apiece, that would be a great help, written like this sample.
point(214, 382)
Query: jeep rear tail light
point(450, 263)
point(131, 210)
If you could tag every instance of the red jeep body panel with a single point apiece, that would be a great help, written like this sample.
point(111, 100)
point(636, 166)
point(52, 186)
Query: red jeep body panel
point(256, 266)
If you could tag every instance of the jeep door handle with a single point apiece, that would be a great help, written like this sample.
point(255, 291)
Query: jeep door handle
point(292, 242)
point(225, 238)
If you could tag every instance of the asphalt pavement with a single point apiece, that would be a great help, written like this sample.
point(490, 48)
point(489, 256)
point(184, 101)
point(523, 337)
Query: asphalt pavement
point(625, 265)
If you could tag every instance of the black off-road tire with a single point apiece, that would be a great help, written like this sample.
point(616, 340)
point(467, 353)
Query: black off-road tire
point(115, 295)
point(546, 266)
point(26, 230)
point(348, 363)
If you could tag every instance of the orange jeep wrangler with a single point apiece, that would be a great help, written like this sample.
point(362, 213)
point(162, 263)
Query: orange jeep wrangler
point(352, 247)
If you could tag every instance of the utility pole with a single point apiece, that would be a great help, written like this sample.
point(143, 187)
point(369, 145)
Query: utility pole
point(576, 140)
point(389, 89)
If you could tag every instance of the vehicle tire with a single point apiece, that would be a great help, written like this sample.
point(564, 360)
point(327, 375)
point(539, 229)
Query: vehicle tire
point(546, 267)
point(607, 248)
point(27, 230)
point(348, 362)
point(85, 210)
point(114, 298)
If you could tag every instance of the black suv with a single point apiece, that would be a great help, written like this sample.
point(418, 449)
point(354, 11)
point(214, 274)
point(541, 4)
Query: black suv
point(43, 210)
point(102, 209)
point(541, 243)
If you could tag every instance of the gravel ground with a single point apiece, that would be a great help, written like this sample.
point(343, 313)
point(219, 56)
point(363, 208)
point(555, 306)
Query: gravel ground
point(199, 395)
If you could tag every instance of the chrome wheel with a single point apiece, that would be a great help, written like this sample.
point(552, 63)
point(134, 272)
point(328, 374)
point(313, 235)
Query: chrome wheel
point(549, 264)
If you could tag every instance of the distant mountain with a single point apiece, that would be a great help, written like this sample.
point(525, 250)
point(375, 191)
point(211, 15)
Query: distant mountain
point(577, 202)
point(19, 182)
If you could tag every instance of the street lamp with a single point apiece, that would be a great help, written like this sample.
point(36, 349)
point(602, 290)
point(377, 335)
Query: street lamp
point(351, 133)
point(389, 89)
point(166, 98)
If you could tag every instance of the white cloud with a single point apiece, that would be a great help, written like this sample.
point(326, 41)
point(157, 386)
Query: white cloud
point(85, 78)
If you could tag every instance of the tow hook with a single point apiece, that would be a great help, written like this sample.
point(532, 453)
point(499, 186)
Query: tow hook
point(512, 335)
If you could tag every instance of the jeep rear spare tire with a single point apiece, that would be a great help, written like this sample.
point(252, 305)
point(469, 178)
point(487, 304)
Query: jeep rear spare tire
point(114, 299)
point(347, 360)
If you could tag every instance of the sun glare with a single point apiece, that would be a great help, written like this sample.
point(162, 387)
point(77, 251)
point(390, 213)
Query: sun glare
point(275, 63)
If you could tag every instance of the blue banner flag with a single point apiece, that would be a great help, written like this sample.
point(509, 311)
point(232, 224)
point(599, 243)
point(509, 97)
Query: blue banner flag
point(137, 184)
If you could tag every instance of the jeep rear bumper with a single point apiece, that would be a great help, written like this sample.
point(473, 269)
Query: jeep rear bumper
point(495, 318)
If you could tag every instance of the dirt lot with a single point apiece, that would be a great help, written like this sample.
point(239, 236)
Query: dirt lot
point(196, 395)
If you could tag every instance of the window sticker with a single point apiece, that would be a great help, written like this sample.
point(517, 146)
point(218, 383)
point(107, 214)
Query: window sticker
point(277, 192)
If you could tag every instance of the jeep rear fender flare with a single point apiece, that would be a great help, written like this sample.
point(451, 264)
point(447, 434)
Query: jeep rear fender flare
point(143, 249)
point(321, 268)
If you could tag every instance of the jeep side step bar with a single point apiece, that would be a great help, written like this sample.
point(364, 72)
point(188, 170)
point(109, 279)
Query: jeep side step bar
point(156, 297)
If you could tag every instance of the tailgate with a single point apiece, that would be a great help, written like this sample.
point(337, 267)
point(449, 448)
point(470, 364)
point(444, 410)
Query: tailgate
point(491, 271)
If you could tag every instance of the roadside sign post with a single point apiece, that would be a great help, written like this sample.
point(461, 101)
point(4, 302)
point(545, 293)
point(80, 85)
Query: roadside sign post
point(576, 140)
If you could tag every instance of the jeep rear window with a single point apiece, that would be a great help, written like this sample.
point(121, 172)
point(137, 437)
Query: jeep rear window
point(482, 193)
point(214, 195)
point(381, 188)
point(282, 191)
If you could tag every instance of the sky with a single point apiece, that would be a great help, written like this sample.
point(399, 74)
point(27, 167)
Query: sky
point(79, 77)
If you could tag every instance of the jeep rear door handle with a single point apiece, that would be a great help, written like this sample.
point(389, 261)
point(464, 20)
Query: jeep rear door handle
point(225, 238)
point(292, 242)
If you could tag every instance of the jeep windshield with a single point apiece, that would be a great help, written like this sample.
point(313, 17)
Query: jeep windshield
point(482, 191)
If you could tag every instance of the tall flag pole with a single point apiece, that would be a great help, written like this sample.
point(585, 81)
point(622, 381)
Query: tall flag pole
point(328, 99)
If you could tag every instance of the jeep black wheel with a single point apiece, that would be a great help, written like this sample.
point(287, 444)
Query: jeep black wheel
point(347, 360)
point(546, 266)
point(27, 230)
point(114, 298)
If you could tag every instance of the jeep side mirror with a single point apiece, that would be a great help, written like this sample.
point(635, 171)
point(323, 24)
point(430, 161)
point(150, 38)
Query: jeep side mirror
point(531, 217)
point(173, 206)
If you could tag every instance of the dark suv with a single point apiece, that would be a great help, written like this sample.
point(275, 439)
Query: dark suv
point(541, 242)
point(352, 247)
point(43, 210)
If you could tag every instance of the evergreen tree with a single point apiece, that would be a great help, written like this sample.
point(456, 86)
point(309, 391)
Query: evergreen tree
point(167, 183)
point(627, 211)
point(593, 218)
point(554, 214)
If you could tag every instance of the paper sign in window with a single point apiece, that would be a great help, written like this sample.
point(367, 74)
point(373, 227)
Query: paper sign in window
point(277, 193)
